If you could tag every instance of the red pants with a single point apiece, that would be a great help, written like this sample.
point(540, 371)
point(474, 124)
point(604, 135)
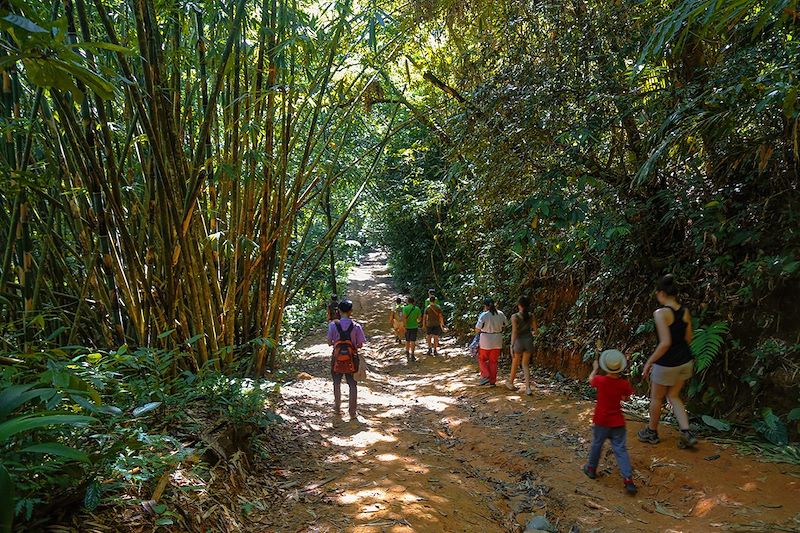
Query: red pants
point(487, 359)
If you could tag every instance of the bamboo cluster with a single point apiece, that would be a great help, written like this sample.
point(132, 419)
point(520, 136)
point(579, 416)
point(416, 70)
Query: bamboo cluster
point(176, 210)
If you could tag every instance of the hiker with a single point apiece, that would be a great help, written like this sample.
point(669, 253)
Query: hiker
point(347, 337)
point(412, 314)
point(397, 320)
point(671, 363)
point(490, 325)
point(523, 328)
point(608, 421)
point(333, 309)
point(433, 322)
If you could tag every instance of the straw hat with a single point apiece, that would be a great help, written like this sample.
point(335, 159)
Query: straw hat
point(613, 361)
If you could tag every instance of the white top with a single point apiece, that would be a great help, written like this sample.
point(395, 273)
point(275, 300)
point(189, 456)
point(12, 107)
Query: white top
point(491, 327)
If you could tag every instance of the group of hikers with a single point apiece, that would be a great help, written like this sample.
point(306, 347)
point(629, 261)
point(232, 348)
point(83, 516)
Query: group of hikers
point(667, 369)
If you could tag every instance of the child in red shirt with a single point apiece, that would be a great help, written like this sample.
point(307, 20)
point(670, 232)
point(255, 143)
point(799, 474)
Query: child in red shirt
point(609, 423)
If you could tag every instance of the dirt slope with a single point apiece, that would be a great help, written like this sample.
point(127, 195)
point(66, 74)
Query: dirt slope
point(436, 453)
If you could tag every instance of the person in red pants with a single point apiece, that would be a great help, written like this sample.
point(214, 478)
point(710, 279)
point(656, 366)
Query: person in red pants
point(490, 327)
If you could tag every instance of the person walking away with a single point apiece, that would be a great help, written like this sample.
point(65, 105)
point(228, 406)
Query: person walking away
point(333, 309)
point(608, 420)
point(397, 320)
point(523, 328)
point(347, 337)
point(671, 363)
point(433, 322)
point(412, 314)
point(490, 325)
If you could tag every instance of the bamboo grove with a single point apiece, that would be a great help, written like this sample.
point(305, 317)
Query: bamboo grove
point(163, 164)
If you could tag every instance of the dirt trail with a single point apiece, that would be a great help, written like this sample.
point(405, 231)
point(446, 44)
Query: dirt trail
point(434, 452)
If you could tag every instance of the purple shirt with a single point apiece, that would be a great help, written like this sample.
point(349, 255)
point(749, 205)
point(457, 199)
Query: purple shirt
point(356, 336)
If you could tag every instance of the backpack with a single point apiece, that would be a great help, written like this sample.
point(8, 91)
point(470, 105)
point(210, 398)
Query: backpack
point(436, 312)
point(399, 316)
point(345, 356)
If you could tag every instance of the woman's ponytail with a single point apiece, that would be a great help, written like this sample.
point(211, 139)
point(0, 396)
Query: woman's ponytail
point(525, 303)
point(488, 302)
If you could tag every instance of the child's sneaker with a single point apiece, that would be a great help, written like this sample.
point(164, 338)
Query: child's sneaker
point(590, 471)
point(483, 381)
point(430, 350)
point(687, 439)
point(510, 386)
point(648, 435)
point(630, 487)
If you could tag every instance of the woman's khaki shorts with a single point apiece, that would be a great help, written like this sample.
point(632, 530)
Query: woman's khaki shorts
point(669, 375)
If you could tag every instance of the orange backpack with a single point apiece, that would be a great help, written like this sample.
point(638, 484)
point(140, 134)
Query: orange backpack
point(345, 356)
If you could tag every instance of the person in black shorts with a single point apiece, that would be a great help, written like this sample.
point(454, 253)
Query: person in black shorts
point(412, 314)
point(433, 322)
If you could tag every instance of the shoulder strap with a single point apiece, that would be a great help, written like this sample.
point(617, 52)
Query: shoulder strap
point(339, 328)
point(350, 329)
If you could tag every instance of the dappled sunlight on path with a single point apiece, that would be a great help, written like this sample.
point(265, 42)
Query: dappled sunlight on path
point(432, 452)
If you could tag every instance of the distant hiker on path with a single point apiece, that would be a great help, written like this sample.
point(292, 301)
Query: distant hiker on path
point(333, 309)
point(609, 423)
point(433, 322)
point(412, 314)
point(671, 363)
point(523, 327)
point(490, 326)
point(347, 337)
point(397, 320)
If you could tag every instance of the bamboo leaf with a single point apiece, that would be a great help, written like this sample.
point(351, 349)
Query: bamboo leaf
point(54, 448)
point(24, 23)
point(27, 423)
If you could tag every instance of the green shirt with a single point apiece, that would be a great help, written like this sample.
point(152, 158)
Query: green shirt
point(412, 314)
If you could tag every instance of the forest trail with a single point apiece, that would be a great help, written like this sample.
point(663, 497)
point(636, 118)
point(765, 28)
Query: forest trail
point(435, 453)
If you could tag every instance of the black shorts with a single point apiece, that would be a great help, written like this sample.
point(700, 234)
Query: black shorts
point(435, 330)
point(411, 334)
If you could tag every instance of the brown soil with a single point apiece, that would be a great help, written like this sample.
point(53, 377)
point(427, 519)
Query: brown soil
point(434, 452)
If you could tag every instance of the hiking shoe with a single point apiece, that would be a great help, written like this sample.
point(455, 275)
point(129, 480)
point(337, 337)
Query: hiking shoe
point(528, 391)
point(413, 358)
point(510, 386)
point(435, 353)
point(483, 381)
point(430, 351)
point(687, 439)
point(630, 487)
point(648, 435)
point(590, 471)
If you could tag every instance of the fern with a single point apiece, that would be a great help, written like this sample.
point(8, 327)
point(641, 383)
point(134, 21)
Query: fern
point(707, 344)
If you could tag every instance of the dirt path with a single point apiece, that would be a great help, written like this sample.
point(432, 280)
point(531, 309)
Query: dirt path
point(434, 452)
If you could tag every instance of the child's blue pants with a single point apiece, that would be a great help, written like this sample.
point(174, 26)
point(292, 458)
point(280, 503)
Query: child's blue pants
point(617, 437)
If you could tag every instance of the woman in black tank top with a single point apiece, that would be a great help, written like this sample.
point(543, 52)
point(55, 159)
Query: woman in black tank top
point(671, 363)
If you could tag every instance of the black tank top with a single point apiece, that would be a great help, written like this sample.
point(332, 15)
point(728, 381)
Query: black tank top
point(679, 352)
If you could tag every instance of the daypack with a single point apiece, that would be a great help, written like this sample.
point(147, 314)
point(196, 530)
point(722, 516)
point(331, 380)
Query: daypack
point(344, 352)
point(436, 312)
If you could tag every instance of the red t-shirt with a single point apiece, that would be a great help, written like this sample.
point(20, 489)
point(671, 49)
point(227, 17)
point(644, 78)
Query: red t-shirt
point(610, 391)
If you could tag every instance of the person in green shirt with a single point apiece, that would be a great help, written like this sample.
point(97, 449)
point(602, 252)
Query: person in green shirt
point(412, 314)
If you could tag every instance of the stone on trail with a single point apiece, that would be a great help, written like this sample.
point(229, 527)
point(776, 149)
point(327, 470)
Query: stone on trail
point(304, 375)
point(539, 524)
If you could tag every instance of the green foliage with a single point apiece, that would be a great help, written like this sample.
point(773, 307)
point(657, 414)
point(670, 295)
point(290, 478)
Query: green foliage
point(707, 343)
point(719, 425)
point(110, 415)
point(772, 427)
